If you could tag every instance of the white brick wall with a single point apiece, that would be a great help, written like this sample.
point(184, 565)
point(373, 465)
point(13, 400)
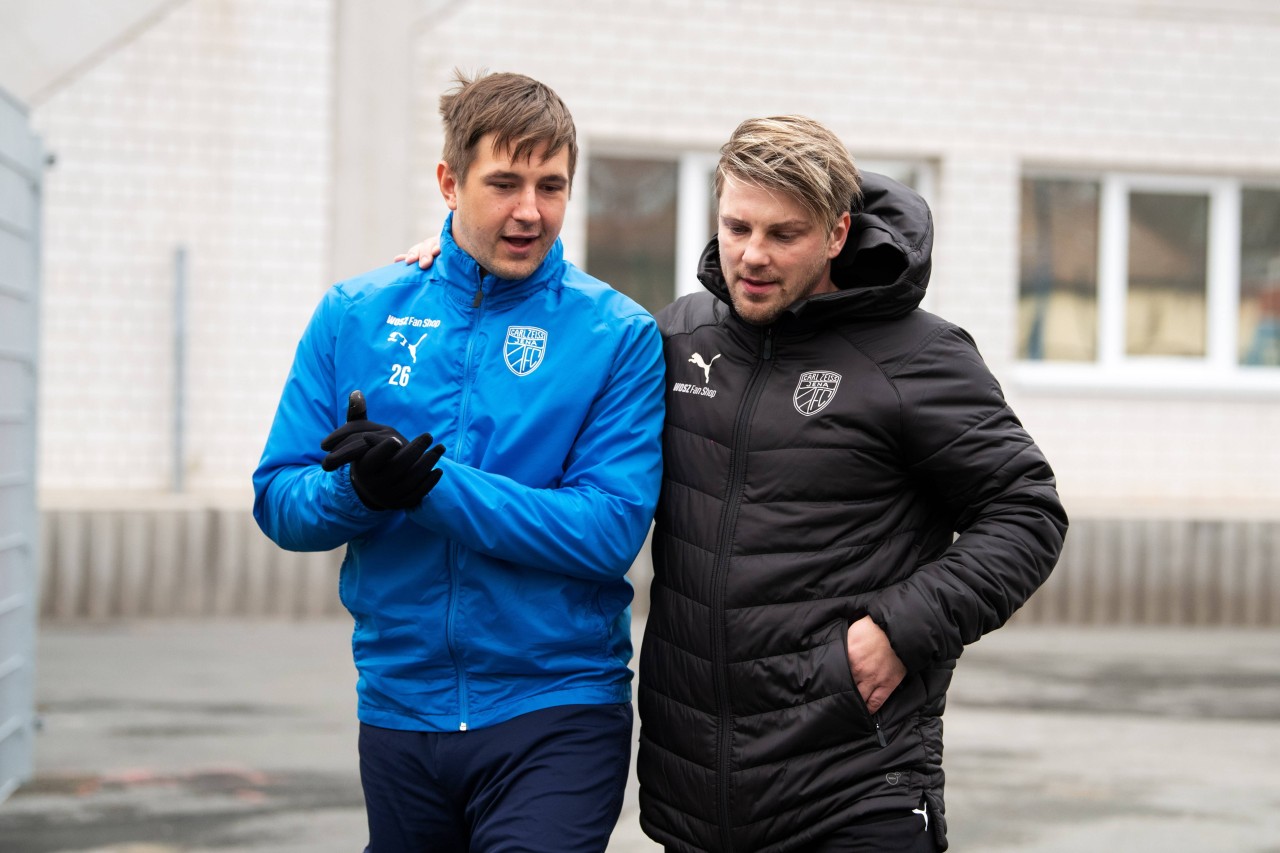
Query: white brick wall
point(1209, 458)
point(212, 129)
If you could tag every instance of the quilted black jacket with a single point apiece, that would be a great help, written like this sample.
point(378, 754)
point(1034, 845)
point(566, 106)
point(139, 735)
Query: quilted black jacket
point(818, 471)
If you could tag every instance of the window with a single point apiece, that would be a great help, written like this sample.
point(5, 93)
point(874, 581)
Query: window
point(631, 226)
point(1149, 274)
point(1058, 290)
point(1166, 310)
point(1259, 319)
point(649, 219)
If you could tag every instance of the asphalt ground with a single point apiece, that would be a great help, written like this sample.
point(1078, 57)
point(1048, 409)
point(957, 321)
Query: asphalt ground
point(241, 736)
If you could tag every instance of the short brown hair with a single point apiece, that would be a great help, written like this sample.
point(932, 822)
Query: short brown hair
point(797, 156)
point(521, 113)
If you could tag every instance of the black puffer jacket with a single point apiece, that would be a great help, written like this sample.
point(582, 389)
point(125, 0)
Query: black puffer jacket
point(815, 473)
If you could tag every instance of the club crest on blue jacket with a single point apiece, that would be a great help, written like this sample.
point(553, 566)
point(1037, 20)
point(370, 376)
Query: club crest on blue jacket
point(524, 349)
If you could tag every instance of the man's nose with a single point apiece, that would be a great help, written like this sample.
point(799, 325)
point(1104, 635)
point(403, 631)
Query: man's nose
point(526, 209)
point(754, 253)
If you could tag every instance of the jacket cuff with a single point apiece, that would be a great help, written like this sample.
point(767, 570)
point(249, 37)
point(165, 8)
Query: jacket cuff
point(916, 642)
point(345, 499)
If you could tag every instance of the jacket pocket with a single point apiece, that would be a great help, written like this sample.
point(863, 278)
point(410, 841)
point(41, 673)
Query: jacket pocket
point(903, 703)
point(798, 702)
point(866, 721)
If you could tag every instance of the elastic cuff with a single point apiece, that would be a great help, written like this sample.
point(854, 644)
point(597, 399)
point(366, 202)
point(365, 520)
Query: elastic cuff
point(347, 499)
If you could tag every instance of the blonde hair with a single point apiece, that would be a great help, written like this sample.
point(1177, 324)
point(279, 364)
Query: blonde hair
point(797, 156)
point(521, 113)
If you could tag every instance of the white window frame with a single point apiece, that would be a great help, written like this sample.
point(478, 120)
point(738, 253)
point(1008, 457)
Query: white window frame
point(693, 212)
point(1218, 371)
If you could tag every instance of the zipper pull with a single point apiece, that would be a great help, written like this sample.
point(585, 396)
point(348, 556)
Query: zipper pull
point(880, 738)
point(475, 303)
point(768, 344)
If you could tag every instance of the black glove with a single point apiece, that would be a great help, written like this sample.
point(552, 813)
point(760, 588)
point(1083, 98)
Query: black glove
point(386, 471)
point(346, 443)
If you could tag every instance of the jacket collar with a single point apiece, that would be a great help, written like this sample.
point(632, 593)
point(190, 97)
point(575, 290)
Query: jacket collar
point(462, 276)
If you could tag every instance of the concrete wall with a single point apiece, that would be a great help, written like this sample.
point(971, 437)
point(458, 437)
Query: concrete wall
point(178, 562)
point(206, 563)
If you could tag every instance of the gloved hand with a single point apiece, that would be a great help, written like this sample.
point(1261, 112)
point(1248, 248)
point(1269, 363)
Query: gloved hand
point(386, 471)
point(346, 443)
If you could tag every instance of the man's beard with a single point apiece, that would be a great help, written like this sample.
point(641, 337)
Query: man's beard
point(774, 310)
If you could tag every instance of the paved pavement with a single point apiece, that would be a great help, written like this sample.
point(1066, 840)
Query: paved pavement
point(239, 737)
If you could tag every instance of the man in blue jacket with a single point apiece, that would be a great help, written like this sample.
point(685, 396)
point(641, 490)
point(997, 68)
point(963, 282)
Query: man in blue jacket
point(485, 573)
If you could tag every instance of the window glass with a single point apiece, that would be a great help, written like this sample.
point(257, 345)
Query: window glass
point(903, 173)
point(1260, 277)
point(1167, 300)
point(631, 227)
point(1058, 282)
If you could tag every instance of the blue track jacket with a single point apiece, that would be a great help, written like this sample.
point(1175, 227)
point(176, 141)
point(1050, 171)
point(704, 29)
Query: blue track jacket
point(504, 592)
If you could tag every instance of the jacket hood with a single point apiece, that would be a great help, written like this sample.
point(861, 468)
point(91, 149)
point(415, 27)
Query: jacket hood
point(883, 270)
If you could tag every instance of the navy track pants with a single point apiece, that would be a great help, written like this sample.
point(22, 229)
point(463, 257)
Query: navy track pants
point(549, 781)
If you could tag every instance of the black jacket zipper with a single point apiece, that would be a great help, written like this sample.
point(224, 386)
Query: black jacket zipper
point(724, 550)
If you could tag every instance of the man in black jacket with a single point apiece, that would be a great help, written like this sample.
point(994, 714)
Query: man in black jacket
point(847, 501)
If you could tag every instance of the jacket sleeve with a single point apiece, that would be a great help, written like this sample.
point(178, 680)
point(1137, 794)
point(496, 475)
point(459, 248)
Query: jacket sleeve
point(299, 505)
point(595, 521)
point(968, 452)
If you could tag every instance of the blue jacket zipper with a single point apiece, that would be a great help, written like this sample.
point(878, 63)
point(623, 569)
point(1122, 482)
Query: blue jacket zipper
point(454, 548)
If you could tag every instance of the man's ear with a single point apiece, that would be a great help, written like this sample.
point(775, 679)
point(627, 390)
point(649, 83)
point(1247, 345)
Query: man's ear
point(839, 235)
point(449, 184)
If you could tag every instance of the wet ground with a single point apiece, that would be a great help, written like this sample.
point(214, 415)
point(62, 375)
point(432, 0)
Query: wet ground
point(240, 736)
